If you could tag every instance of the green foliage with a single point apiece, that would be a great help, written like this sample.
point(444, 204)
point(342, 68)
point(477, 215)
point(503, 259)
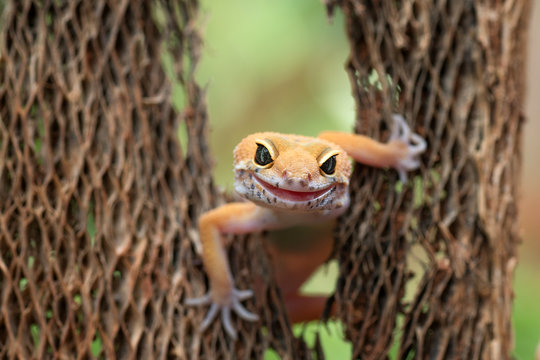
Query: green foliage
point(272, 67)
point(526, 309)
point(96, 345)
point(35, 331)
point(91, 225)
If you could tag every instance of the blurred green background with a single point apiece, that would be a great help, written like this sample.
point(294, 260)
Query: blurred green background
point(279, 66)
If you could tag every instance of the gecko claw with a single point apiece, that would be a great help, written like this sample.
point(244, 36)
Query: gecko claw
point(203, 300)
point(210, 316)
point(243, 312)
point(401, 130)
point(416, 145)
point(227, 324)
point(243, 294)
point(233, 303)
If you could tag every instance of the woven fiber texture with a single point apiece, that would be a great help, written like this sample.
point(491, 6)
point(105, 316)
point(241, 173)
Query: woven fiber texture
point(99, 199)
point(448, 239)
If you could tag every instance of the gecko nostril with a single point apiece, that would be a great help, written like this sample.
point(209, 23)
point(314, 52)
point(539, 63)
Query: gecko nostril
point(303, 183)
point(284, 174)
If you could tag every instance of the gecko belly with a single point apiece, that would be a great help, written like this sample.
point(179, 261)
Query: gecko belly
point(290, 195)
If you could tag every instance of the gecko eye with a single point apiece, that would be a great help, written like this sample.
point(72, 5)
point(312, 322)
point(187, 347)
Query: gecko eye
point(329, 166)
point(262, 156)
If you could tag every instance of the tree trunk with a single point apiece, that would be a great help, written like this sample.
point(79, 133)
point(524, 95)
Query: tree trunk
point(99, 200)
point(455, 69)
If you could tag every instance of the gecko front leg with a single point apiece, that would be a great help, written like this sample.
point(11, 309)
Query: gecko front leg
point(233, 218)
point(401, 152)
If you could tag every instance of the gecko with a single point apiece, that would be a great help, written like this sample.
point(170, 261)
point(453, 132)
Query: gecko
point(289, 180)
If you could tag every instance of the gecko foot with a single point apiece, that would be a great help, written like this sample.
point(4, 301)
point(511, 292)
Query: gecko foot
point(416, 145)
point(232, 303)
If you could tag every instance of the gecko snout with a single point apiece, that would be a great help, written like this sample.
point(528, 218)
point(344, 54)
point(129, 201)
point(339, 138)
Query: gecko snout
point(301, 180)
point(286, 175)
point(296, 170)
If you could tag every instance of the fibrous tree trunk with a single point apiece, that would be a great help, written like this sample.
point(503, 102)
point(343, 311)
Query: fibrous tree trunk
point(455, 70)
point(99, 200)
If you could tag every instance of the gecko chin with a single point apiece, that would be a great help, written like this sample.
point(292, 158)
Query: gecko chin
point(294, 196)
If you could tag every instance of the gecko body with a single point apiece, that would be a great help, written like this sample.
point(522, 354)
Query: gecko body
point(289, 180)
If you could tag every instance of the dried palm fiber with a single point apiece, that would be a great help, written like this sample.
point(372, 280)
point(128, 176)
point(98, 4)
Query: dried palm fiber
point(98, 202)
point(455, 69)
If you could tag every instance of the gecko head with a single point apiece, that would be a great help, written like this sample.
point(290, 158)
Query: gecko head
point(292, 172)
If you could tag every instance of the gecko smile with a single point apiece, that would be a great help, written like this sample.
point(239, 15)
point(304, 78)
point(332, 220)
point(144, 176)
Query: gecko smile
point(297, 196)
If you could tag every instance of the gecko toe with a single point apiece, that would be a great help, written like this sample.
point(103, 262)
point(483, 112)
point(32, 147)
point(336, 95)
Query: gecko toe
point(418, 145)
point(243, 294)
point(410, 164)
point(214, 309)
point(226, 319)
point(203, 300)
point(402, 176)
point(401, 130)
point(243, 312)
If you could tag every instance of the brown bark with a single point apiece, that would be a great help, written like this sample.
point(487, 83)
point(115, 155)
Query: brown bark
point(97, 200)
point(455, 69)
point(98, 203)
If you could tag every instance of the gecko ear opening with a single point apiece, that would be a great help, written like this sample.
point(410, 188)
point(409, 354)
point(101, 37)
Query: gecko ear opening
point(263, 157)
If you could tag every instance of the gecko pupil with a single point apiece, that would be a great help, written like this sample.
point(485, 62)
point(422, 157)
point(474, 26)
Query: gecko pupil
point(329, 166)
point(262, 155)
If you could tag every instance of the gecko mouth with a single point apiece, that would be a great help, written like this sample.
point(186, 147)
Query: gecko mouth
point(291, 195)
